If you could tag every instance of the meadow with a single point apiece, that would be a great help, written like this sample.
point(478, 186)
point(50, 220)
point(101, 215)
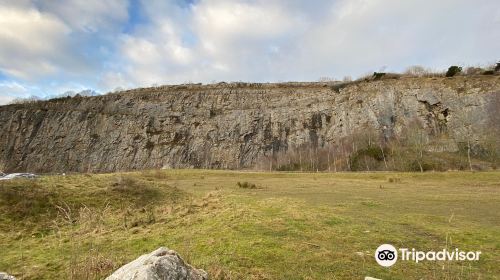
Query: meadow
point(250, 225)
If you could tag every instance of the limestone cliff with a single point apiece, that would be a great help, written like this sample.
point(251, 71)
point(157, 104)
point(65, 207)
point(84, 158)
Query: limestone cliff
point(231, 125)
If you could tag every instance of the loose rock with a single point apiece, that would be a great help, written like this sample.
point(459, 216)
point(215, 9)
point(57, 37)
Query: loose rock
point(18, 175)
point(161, 264)
point(5, 276)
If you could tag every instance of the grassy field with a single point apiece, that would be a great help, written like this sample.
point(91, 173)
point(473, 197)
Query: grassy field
point(269, 226)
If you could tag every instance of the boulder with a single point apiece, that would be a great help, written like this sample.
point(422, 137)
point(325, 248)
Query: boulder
point(5, 276)
point(428, 97)
point(161, 264)
point(18, 175)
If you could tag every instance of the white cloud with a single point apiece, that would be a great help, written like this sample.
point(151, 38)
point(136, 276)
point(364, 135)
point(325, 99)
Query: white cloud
point(88, 15)
point(371, 34)
point(53, 43)
point(233, 21)
point(30, 42)
point(114, 80)
point(207, 41)
point(243, 38)
point(176, 41)
point(298, 40)
point(12, 90)
point(156, 51)
point(5, 99)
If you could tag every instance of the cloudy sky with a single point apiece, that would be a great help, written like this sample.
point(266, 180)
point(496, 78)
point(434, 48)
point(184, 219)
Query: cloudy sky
point(48, 47)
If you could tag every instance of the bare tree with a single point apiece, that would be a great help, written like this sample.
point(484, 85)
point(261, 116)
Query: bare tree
point(467, 117)
point(417, 140)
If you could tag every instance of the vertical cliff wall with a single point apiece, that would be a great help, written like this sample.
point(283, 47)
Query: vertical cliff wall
point(231, 125)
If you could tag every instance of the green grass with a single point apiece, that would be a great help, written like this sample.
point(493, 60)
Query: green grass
point(293, 226)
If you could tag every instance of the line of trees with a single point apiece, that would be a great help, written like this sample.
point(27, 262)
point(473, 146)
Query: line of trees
point(413, 150)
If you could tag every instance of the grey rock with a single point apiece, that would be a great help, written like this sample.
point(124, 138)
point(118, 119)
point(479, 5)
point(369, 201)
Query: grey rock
point(18, 176)
point(428, 97)
point(232, 125)
point(5, 276)
point(162, 264)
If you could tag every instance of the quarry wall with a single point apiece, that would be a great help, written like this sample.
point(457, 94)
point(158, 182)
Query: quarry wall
point(233, 125)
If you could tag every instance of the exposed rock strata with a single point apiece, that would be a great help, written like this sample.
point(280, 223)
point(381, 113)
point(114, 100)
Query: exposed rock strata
point(230, 125)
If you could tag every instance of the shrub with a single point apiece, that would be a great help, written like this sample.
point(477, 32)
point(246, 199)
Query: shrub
point(155, 174)
point(294, 166)
point(367, 158)
point(378, 75)
point(415, 70)
point(427, 165)
point(453, 70)
point(246, 185)
point(130, 189)
point(394, 180)
point(92, 265)
point(473, 71)
point(123, 183)
point(28, 100)
point(497, 67)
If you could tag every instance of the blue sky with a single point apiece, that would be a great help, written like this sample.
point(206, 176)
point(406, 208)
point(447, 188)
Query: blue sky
point(48, 47)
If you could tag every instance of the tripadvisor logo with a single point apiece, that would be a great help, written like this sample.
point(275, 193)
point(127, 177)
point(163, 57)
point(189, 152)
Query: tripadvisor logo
point(386, 255)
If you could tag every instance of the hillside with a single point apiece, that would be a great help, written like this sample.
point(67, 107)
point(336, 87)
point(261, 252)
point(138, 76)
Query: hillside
point(242, 125)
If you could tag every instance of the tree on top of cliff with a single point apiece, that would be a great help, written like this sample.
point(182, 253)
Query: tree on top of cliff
point(453, 70)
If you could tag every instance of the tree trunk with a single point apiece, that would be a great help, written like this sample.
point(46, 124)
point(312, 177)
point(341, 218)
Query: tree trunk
point(300, 160)
point(383, 155)
point(419, 161)
point(328, 153)
point(468, 154)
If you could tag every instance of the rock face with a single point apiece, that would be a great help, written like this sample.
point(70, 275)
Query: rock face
point(162, 264)
point(232, 125)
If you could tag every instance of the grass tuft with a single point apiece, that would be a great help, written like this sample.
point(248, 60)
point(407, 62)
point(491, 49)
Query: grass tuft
point(246, 185)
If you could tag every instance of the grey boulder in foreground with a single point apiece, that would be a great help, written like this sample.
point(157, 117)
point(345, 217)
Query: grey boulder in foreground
point(5, 276)
point(161, 264)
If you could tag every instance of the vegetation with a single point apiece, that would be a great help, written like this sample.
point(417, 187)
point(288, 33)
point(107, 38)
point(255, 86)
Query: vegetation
point(453, 70)
point(300, 226)
point(368, 150)
point(246, 185)
point(378, 75)
point(417, 147)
